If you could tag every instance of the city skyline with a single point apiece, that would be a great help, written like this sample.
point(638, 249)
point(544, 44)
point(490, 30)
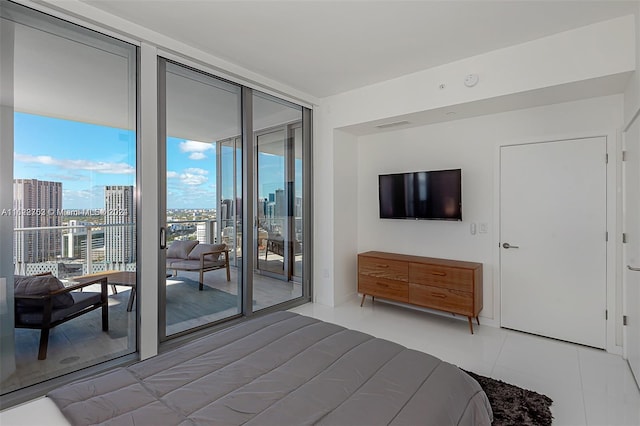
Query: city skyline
point(87, 157)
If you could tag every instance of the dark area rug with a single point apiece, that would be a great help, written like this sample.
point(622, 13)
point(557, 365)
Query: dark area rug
point(512, 405)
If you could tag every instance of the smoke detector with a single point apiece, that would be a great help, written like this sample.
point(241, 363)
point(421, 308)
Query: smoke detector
point(471, 80)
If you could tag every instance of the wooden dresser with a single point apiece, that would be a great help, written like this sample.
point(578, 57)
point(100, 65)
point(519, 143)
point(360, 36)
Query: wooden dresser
point(447, 285)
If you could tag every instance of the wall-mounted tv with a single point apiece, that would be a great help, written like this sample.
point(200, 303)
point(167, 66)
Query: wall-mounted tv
point(421, 195)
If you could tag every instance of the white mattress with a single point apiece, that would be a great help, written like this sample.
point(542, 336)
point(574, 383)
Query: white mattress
point(37, 412)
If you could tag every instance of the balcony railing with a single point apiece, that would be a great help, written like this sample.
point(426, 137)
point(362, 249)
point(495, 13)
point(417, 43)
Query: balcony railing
point(73, 250)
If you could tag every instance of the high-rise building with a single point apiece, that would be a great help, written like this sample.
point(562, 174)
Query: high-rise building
point(226, 211)
point(281, 203)
point(206, 231)
point(36, 204)
point(75, 241)
point(120, 241)
point(262, 203)
point(298, 209)
point(270, 211)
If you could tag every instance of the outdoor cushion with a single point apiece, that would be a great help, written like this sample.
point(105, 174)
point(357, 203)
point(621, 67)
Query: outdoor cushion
point(40, 285)
point(195, 264)
point(171, 261)
point(81, 300)
point(206, 248)
point(181, 248)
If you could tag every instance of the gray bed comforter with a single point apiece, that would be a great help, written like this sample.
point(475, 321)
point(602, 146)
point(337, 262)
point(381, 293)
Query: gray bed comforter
point(280, 369)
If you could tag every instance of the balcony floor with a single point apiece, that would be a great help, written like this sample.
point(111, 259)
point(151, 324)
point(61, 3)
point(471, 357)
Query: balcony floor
point(81, 343)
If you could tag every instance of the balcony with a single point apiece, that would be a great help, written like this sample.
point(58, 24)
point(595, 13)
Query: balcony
point(84, 249)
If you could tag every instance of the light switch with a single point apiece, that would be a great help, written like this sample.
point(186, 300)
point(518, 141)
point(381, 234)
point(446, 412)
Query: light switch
point(484, 228)
point(472, 228)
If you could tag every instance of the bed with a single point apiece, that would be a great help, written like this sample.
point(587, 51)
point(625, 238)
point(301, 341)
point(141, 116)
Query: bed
point(280, 369)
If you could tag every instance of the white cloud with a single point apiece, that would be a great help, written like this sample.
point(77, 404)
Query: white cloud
point(197, 156)
point(84, 198)
point(82, 194)
point(74, 176)
point(196, 171)
point(94, 166)
point(191, 179)
point(197, 149)
point(194, 176)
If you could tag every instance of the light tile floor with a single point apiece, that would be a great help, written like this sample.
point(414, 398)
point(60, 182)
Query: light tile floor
point(588, 386)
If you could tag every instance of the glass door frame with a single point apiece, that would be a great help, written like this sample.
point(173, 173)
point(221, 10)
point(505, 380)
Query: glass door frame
point(248, 222)
point(250, 200)
point(14, 14)
point(234, 143)
point(162, 200)
point(288, 130)
point(162, 197)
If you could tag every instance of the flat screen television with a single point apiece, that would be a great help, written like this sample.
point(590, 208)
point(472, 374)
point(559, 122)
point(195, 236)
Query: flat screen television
point(433, 195)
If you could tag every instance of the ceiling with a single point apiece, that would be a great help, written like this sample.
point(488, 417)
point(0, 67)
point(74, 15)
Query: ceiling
point(326, 47)
point(199, 107)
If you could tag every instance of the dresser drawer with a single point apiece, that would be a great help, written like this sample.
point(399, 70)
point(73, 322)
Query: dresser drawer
point(383, 268)
point(456, 301)
point(382, 287)
point(441, 276)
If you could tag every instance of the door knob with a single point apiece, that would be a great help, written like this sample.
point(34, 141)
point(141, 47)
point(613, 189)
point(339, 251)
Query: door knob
point(633, 268)
point(508, 246)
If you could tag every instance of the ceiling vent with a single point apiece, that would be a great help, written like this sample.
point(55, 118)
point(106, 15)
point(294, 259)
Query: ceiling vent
point(394, 124)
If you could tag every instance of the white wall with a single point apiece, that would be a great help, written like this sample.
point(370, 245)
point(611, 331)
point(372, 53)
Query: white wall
point(149, 227)
point(602, 49)
point(470, 144)
point(581, 55)
point(632, 92)
point(323, 236)
point(345, 189)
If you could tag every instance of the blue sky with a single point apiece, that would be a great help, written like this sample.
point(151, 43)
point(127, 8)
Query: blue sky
point(86, 157)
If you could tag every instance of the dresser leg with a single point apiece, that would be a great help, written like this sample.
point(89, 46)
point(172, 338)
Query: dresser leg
point(478, 320)
point(363, 296)
point(470, 325)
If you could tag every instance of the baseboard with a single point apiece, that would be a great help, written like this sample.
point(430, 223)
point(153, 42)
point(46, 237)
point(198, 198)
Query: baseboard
point(344, 298)
point(483, 320)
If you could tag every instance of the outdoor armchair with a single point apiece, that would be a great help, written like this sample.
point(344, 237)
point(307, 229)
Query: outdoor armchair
point(190, 255)
point(43, 302)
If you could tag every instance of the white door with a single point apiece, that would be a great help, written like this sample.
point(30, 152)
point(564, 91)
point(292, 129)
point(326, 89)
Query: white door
point(632, 247)
point(553, 239)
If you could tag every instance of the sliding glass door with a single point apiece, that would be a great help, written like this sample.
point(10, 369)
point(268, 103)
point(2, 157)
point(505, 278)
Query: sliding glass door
point(200, 237)
point(233, 208)
point(68, 194)
point(278, 249)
